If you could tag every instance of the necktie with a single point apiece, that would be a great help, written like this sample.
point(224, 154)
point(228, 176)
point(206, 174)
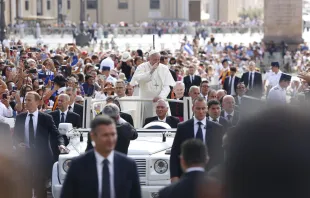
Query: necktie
point(250, 83)
point(199, 132)
point(62, 119)
point(192, 79)
point(105, 180)
point(31, 131)
point(69, 108)
point(229, 117)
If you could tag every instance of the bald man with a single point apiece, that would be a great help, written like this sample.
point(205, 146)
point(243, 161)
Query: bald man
point(229, 112)
point(63, 115)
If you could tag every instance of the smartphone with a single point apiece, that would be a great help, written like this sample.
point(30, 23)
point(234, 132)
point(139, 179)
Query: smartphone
point(102, 77)
point(39, 66)
point(70, 44)
point(14, 88)
point(32, 71)
point(5, 96)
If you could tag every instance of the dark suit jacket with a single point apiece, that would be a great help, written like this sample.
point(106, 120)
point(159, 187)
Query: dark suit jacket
point(125, 133)
point(235, 118)
point(185, 131)
point(172, 121)
point(173, 74)
point(186, 187)
point(6, 143)
point(226, 84)
point(127, 117)
point(224, 123)
point(188, 84)
point(46, 129)
point(82, 179)
point(72, 118)
point(257, 90)
point(79, 110)
point(177, 109)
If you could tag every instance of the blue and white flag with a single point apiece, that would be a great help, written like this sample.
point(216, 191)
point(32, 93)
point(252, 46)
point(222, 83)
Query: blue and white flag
point(188, 48)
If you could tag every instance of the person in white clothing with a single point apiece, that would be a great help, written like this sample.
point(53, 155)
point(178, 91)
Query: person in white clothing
point(154, 80)
point(274, 76)
point(277, 94)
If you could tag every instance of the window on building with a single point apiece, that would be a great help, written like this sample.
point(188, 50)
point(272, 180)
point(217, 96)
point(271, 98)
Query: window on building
point(69, 4)
point(26, 5)
point(91, 4)
point(39, 8)
point(122, 4)
point(154, 4)
point(48, 4)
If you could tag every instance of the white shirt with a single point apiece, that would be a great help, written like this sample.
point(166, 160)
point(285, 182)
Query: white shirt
point(203, 127)
point(226, 114)
point(5, 112)
point(60, 112)
point(99, 164)
point(273, 78)
point(251, 73)
point(100, 95)
point(211, 119)
point(35, 124)
point(232, 83)
point(206, 96)
point(195, 169)
point(277, 95)
point(164, 120)
point(239, 99)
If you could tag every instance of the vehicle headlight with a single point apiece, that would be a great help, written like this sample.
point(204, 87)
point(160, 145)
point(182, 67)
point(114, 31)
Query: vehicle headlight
point(66, 165)
point(161, 166)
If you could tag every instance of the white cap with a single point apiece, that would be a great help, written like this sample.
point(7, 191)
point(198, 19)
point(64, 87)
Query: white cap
point(126, 57)
point(108, 62)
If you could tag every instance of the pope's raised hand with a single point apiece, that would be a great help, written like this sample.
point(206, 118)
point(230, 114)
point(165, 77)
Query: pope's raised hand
point(154, 67)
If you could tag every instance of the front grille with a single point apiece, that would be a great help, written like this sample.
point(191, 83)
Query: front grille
point(141, 165)
point(143, 183)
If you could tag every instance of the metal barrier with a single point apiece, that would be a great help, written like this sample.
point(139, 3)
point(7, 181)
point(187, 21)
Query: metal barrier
point(127, 31)
point(130, 105)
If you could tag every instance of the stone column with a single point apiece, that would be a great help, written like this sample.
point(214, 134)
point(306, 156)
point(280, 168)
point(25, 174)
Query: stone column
point(283, 21)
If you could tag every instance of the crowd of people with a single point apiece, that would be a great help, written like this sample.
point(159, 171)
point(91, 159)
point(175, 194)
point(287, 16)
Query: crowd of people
point(42, 87)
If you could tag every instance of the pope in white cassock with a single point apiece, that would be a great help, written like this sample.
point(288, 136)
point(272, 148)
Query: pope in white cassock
point(154, 80)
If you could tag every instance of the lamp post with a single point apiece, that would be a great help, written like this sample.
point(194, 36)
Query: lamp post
point(2, 24)
point(82, 15)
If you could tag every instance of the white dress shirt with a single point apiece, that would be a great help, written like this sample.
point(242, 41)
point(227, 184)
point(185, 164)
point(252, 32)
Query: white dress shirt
point(273, 78)
point(239, 99)
point(226, 114)
point(211, 119)
point(195, 169)
point(164, 120)
point(232, 85)
point(35, 124)
point(251, 73)
point(60, 112)
point(99, 164)
point(205, 97)
point(6, 112)
point(203, 127)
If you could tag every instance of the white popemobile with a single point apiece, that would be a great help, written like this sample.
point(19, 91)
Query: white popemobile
point(151, 150)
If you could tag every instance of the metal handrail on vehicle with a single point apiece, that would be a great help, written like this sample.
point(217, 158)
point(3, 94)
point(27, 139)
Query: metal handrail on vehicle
point(89, 108)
